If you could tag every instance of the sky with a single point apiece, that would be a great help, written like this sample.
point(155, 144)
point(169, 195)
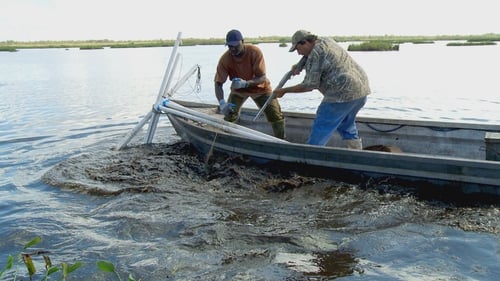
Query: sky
point(34, 20)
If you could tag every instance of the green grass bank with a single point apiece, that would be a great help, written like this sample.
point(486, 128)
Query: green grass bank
point(369, 43)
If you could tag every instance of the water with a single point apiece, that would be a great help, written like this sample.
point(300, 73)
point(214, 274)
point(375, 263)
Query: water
point(162, 212)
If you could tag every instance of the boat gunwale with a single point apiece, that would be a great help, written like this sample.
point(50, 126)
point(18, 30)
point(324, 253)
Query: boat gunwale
point(476, 126)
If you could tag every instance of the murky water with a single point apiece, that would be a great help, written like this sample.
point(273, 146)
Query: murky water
point(226, 219)
point(163, 212)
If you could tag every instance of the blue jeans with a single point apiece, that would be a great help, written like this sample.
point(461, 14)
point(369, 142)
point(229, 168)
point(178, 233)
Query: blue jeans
point(331, 117)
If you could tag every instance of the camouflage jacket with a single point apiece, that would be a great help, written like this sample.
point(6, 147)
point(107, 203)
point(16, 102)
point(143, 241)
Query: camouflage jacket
point(332, 71)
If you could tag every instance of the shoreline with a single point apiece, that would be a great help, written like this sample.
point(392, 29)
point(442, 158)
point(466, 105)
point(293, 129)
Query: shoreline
point(99, 44)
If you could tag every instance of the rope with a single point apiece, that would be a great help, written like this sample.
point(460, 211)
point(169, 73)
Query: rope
point(401, 126)
point(384, 131)
point(197, 85)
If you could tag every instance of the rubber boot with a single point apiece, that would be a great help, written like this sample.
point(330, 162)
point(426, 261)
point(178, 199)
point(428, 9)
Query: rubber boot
point(354, 144)
point(279, 129)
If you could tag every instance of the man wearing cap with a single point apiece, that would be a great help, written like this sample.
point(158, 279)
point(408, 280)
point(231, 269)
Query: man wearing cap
point(344, 85)
point(244, 65)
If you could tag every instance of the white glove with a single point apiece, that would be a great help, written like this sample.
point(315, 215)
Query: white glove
point(239, 83)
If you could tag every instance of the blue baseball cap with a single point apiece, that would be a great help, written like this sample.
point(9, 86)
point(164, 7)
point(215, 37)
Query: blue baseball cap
point(233, 37)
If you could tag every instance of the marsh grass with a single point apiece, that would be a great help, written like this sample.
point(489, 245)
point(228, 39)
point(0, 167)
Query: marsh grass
point(99, 44)
point(91, 47)
point(7, 49)
point(471, 43)
point(374, 46)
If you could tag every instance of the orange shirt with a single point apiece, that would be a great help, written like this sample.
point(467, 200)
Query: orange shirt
point(246, 67)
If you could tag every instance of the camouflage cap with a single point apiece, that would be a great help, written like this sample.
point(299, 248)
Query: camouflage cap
point(298, 36)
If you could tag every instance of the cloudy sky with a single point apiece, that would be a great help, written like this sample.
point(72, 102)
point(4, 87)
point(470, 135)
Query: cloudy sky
point(31, 20)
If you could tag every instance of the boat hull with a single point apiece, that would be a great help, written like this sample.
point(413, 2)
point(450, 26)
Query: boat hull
point(457, 174)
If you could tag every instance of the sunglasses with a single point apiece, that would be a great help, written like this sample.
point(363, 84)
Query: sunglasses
point(302, 42)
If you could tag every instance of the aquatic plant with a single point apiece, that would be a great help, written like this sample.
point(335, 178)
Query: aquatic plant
point(11, 269)
point(107, 266)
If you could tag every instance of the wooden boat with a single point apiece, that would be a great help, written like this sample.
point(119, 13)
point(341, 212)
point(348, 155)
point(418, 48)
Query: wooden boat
point(437, 157)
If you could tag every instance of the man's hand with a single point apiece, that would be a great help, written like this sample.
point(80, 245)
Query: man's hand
point(296, 70)
point(239, 83)
point(279, 92)
point(225, 108)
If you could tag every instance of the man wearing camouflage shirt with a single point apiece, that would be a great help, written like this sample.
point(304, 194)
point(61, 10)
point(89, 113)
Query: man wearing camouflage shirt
point(343, 83)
